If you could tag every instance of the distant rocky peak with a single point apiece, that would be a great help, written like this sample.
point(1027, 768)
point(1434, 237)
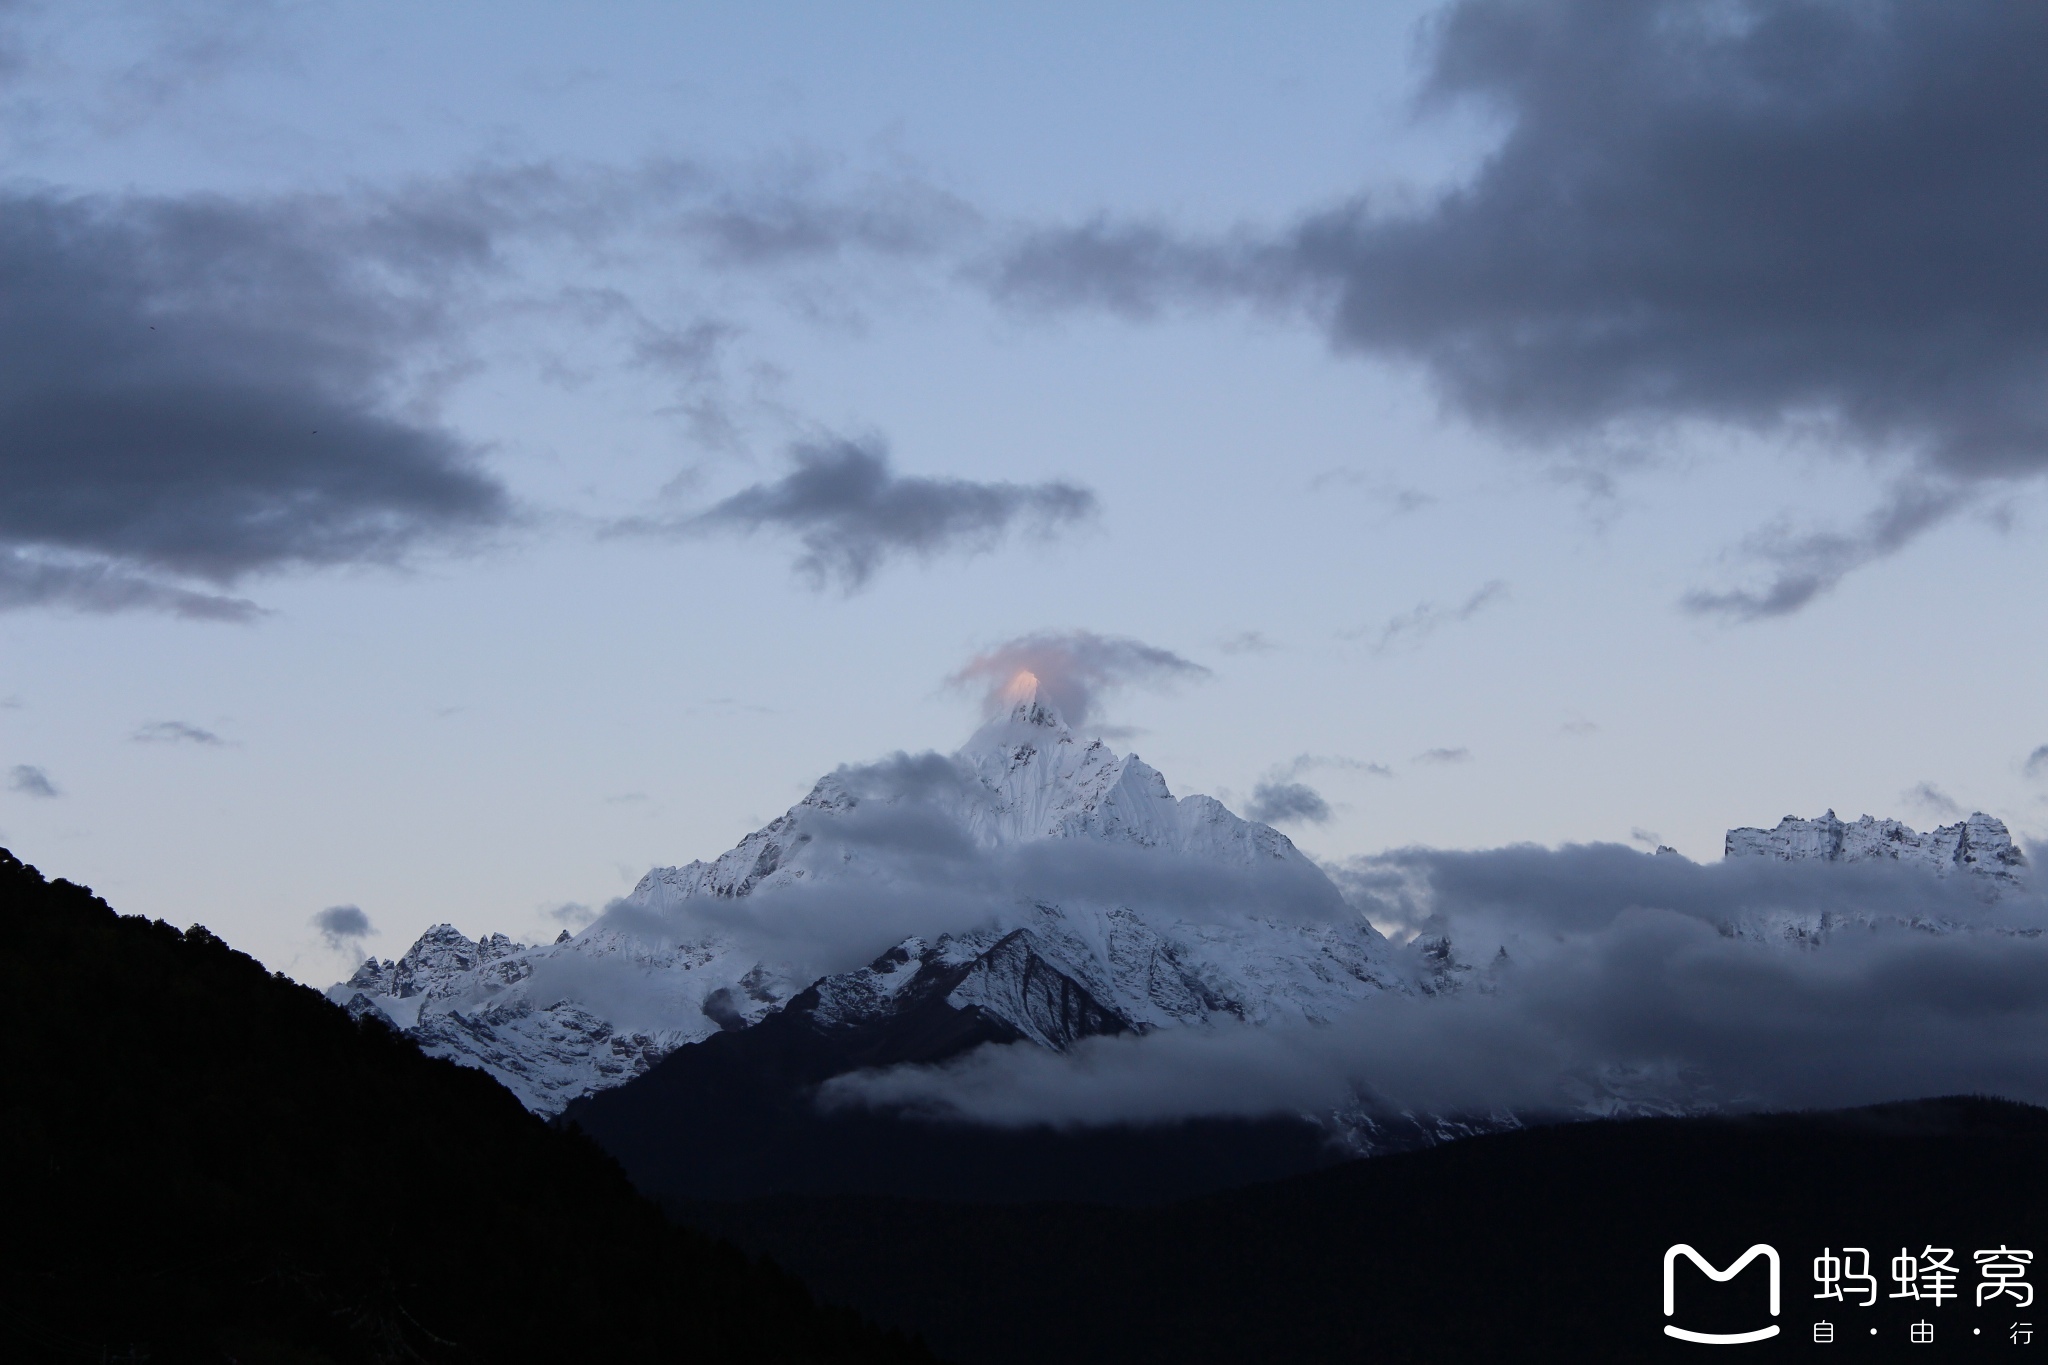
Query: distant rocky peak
point(1980, 846)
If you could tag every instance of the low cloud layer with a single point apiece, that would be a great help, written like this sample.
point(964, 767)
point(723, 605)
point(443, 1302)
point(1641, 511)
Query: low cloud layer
point(1594, 975)
point(1074, 669)
point(852, 513)
point(199, 389)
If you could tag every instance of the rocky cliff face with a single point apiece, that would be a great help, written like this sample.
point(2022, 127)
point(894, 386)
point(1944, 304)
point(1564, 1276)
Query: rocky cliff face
point(1980, 846)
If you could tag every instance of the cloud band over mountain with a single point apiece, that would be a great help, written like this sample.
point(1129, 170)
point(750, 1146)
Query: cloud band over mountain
point(1621, 977)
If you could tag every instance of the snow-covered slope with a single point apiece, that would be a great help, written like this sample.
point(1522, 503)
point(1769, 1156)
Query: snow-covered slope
point(1980, 846)
point(1064, 884)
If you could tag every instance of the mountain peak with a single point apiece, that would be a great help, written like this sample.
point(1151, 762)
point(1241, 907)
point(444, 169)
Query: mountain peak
point(1025, 700)
point(1026, 714)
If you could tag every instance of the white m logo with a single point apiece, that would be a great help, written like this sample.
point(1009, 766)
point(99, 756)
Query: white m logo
point(1671, 1256)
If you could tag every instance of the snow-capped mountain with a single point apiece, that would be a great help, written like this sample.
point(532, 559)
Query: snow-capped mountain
point(1044, 883)
point(1980, 846)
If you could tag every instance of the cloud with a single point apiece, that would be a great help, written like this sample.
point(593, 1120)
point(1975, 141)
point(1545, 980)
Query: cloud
point(202, 388)
point(852, 513)
point(1459, 755)
point(343, 925)
point(572, 913)
point(1135, 270)
point(1791, 217)
point(1074, 669)
point(1308, 763)
point(1932, 799)
point(1247, 642)
point(32, 781)
point(1274, 803)
point(97, 585)
point(799, 217)
point(1803, 566)
point(2037, 762)
point(175, 732)
point(1414, 626)
point(1748, 213)
point(1615, 975)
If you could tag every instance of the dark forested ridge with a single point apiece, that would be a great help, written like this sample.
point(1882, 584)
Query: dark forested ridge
point(204, 1161)
point(1539, 1245)
point(735, 1116)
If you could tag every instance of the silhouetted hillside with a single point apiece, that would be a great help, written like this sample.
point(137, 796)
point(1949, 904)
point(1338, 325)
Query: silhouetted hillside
point(1539, 1245)
point(204, 1161)
point(733, 1117)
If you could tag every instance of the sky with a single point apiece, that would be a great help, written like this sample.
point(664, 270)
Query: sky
point(455, 458)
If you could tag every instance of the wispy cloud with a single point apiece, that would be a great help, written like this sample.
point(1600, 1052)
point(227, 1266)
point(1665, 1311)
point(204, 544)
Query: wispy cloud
point(175, 732)
point(30, 780)
point(1932, 799)
point(1802, 566)
point(1417, 624)
point(1247, 642)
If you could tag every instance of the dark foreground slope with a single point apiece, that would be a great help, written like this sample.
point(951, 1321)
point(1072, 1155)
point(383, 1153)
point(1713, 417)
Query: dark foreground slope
point(735, 1116)
point(203, 1161)
point(1545, 1244)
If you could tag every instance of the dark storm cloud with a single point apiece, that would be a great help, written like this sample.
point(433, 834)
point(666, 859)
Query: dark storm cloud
point(852, 513)
point(342, 925)
point(31, 781)
point(1273, 803)
point(198, 388)
point(1745, 212)
point(1074, 669)
point(1804, 216)
point(1624, 973)
point(175, 732)
point(1753, 212)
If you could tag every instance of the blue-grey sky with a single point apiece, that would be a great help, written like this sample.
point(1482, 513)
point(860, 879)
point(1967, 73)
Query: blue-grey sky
point(456, 457)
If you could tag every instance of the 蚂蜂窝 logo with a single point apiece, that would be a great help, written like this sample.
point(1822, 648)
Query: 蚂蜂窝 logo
point(1671, 1255)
